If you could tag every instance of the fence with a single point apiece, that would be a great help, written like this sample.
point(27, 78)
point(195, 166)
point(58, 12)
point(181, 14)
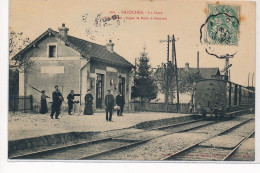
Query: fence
point(20, 103)
point(160, 107)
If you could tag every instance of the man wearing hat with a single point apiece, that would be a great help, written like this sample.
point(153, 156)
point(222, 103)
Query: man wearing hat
point(57, 99)
point(70, 98)
point(109, 105)
point(120, 101)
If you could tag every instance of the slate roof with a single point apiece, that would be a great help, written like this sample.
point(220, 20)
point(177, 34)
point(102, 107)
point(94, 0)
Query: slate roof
point(205, 72)
point(87, 49)
point(99, 52)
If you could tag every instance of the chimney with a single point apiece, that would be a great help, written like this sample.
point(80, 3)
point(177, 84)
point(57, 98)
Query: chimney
point(63, 31)
point(110, 46)
point(187, 66)
point(198, 61)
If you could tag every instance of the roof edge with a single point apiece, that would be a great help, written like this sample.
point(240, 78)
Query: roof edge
point(49, 31)
point(130, 65)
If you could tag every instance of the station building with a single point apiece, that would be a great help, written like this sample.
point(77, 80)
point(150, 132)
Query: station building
point(74, 63)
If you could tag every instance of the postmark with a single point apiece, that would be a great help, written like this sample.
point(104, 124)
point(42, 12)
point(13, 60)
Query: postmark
point(105, 24)
point(101, 25)
point(222, 24)
point(219, 34)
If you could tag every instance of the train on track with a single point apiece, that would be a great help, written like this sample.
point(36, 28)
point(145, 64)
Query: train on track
point(219, 97)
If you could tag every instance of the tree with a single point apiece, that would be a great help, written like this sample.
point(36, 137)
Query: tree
point(188, 80)
point(145, 86)
point(165, 76)
point(16, 43)
point(20, 63)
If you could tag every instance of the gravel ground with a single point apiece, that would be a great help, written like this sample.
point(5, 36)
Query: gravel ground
point(244, 130)
point(27, 125)
point(74, 154)
point(217, 148)
point(223, 141)
point(202, 153)
point(245, 116)
point(161, 147)
point(87, 138)
point(144, 135)
point(157, 148)
point(117, 133)
point(246, 152)
point(152, 150)
point(216, 128)
point(186, 126)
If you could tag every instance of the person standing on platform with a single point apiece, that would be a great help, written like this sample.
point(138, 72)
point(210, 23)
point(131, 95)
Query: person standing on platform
point(44, 108)
point(109, 105)
point(88, 110)
point(57, 99)
point(70, 98)
point(120, 101)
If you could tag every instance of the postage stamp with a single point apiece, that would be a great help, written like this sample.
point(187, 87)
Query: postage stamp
point(222, 24)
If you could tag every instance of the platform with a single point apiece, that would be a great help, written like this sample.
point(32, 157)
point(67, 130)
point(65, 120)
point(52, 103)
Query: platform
point(25, 125)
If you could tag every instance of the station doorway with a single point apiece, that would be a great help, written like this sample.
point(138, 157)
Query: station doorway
point(99, 90)
point(121, 85)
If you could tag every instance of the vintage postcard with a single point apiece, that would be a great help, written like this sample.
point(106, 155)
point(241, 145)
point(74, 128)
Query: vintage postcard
point(132, 80)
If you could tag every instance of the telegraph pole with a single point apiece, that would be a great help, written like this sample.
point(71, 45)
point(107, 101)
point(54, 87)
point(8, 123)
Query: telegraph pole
point(253, 79)
point(174, 62)
point(248, 79)
point(226, 65)
point(168, 48)
point(135, 69)
point(229, 75)
point(176, 72)
point(167, 71)
point(135, 78)
point(248, 92)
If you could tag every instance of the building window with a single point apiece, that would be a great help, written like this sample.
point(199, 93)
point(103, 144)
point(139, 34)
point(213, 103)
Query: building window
point(52, 51)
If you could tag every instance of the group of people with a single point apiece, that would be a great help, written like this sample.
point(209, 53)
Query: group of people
point(109, 105)
point(57, 100)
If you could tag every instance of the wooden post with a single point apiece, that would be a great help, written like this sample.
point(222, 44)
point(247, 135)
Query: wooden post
point(14, 97)
point(168, 47)
point(198, 62)
point(176, 68)
point(24, 106)
point(253, 79)
point(248, 79)
point(167, 75)
point(135, 78)
point(166, 68)
point(226, 66)
point(31, 103)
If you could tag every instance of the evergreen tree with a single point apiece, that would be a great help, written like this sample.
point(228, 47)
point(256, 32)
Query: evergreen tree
point(145, 87)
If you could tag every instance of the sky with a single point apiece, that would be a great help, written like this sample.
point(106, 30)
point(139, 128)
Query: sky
point(183, 19)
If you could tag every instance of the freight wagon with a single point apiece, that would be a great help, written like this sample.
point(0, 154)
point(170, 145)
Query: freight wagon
point(219, 97)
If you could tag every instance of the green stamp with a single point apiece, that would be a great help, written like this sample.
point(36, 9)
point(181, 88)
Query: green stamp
point(222, 24)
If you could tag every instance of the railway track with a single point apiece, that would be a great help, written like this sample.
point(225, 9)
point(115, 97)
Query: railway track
point(106, 146)
point(205, 149)
point(88, 150)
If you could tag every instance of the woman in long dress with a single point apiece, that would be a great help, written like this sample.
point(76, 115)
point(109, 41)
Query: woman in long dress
point(88, 103)
point(44, 108)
